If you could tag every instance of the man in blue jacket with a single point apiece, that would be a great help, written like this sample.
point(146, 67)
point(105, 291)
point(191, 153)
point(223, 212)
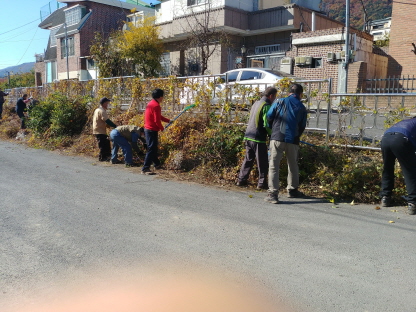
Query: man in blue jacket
point(255, 140)
point(399, 142)
point(287, 118)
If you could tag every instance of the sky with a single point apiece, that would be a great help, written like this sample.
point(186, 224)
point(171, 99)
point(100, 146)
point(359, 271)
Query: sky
point(20, 36)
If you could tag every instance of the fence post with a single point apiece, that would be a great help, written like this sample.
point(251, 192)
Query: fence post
point(328, 111)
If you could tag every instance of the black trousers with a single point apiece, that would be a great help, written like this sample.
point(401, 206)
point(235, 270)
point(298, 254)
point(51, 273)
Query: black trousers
point(104, 146)
point(254, 151)
point(394, 146)
point(152, 140)
point(22, 120)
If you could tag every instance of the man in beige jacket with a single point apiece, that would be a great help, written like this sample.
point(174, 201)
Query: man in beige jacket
point(100, 121)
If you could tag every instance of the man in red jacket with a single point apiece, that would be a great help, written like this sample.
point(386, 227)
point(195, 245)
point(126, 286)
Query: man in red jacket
point(152, 125)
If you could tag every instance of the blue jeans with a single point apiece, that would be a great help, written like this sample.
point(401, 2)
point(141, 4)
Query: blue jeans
point(120, 141)
point(152, 140)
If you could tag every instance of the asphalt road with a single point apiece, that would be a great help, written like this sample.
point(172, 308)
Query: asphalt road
point(65, 216)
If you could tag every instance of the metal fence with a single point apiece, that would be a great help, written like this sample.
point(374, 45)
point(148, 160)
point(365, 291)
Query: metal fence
point(399, 84)
point(353, 119)
point(362, 118)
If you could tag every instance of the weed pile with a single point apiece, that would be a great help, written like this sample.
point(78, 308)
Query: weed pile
point(203, 148)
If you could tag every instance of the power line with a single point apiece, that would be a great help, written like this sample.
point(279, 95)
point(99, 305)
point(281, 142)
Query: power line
point(20, 26)
point(22, 40)
point(28, 46)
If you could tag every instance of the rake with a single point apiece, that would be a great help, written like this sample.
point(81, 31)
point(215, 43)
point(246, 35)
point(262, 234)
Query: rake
point(184, 110)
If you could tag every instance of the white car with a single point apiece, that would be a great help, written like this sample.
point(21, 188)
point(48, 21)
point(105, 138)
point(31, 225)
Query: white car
point(258, 76)
point(246, 84)
point(240, 85)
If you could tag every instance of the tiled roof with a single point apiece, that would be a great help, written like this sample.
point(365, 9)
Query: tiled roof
point(55, 19)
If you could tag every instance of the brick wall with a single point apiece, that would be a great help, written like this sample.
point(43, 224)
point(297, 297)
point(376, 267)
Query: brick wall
point(328, 69)
point(402, 35)
point(104, 19)
point(40, 73)
point(358, 71)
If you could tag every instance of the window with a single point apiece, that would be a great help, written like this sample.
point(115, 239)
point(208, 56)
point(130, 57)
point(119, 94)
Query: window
point(269, 49)
point(73, 15)
point(250, 75)
point(135, 18)
point(316, 63)
point(165, 63)
point(71, 48)
point(231, 77)
point(90, 64)
point(196, 2)
point(52, 36)
point(50, 71)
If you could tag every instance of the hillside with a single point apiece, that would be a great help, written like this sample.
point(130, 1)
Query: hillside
point(376, 9)
point(22, 68)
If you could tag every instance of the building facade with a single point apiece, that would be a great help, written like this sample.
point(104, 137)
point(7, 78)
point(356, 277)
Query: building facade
point(258, 32)
point(402, 47)
point(380, 29)
point(321, 55)
point(72, 30)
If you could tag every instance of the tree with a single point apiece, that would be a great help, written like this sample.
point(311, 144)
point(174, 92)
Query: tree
point(109, 59)
point(19, 80)
point(140, 44)
point(204, 34)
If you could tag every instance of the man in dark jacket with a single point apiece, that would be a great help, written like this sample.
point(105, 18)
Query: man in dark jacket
point(399, 142)
point(2, 95)
point(255, 140)
point(287, 118)
point(21, 108)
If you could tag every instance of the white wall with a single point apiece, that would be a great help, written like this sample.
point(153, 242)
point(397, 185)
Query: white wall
point(164, 12)
point(168, 10)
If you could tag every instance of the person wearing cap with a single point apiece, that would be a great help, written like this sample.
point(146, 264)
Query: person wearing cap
point(152, 125)
point(2, 95)
point(99, 122)
point(127, 137)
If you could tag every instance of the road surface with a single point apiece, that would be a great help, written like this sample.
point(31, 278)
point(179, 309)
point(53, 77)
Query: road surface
point(65, 217)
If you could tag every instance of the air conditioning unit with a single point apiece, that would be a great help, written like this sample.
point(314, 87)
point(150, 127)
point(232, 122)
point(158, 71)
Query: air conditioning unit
point(286, 61)
point(308, 60)
point(300, 60)
point(286, 65)
point(338, 55)
point(331, 57)
point(342, 55)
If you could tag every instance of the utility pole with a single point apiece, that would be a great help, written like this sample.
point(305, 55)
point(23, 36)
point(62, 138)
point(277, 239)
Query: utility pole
point(66, 51)
point(347, 45)
point(8, 79)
